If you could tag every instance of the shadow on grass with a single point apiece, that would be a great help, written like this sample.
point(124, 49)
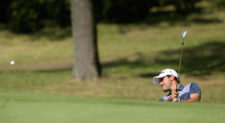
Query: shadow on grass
point(164, 19)
point(54, 34)
point(197, 61)
point(51, 33)
point(173, 18)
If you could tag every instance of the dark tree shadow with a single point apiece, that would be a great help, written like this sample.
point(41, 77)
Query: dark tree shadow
point(173, 18)
point(197, 61)
point(55, 34)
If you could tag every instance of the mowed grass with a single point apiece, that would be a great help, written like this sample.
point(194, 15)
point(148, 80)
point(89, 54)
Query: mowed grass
point(131, 55)
point(21, 108)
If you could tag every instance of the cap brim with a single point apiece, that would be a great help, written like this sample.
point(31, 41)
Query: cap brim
point(156, 79)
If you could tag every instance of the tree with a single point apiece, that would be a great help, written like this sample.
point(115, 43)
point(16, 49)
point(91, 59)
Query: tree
point(86, 61)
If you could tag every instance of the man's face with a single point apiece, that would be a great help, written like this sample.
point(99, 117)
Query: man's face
point(165, 83)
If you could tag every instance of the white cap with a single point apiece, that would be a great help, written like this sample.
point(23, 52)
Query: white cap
point(164, 73)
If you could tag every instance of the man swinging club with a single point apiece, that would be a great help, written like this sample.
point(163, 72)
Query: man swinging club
point(168, 79)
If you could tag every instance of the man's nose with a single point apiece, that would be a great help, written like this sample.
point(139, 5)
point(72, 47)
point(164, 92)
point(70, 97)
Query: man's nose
point(160, 82)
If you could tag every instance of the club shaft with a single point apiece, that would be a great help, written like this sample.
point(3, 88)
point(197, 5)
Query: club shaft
point(181, 55)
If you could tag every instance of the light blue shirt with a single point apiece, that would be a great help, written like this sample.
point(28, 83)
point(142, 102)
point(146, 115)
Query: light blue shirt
point(185, 91)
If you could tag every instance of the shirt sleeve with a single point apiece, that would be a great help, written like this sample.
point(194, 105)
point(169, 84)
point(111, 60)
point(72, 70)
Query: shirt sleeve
point(195, 89)
point(164, 98)
point(161, 100)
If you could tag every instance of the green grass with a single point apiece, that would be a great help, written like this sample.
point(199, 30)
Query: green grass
point(21, 108)
point(131, 55)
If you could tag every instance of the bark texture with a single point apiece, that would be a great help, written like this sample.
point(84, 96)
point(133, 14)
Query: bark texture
point(86, 61)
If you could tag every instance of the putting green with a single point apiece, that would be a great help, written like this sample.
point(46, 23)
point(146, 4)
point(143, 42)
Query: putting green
point(25, 108)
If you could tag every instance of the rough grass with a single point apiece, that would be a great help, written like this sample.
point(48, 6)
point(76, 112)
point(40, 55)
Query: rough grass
point(131, 55)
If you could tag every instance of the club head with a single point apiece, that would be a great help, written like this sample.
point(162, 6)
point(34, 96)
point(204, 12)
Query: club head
point(184, 33)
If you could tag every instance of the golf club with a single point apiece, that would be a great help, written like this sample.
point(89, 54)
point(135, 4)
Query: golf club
point(181, 54)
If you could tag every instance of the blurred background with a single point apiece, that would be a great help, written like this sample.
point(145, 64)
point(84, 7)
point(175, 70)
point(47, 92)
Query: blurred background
point(136, 40)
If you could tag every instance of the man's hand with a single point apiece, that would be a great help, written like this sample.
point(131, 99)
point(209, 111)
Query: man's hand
point(174, 95)
point(176, 100)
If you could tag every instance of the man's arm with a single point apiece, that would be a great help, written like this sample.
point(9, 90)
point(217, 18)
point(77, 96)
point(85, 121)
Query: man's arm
point(193, 98)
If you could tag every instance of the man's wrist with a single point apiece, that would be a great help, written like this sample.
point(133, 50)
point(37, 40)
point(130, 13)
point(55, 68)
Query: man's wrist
point(170, 99)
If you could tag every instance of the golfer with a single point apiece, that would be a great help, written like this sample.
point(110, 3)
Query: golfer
point(168, 80)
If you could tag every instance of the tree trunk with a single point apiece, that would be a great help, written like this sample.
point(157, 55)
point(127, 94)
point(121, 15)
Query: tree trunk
point(86, 61)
